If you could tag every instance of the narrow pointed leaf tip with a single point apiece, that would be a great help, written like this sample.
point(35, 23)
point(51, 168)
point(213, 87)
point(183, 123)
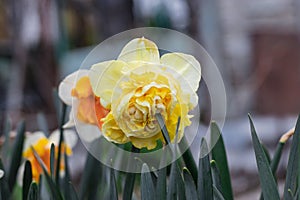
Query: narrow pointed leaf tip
point(27, 179)
point(205, 190)
point(293, 165)
point(33, 193)
point(267, 181)
point(113, 186)
point(190, 188)
point(16, 155)
point(55, 191)
point(147, 186)
point(220, 156)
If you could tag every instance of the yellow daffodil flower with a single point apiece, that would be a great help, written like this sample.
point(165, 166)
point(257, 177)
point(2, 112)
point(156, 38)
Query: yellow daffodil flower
point(42, 146)
point(140, 84)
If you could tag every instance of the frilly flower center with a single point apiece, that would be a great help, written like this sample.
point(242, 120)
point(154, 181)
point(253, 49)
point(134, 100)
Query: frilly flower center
point(138, 116)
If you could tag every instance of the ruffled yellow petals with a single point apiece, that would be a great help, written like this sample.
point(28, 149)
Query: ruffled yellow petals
point(137, 116)
point(149, 143)
point(111, 130)
point(140, 49)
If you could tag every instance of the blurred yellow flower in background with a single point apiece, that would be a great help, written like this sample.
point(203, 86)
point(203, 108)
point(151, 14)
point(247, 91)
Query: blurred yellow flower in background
point(42, 145)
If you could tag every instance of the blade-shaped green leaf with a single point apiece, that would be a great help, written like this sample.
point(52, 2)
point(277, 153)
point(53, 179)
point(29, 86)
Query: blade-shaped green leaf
point(205, 190)
point(73, 192)
point(216, 175)
point(128, 186)
point(275, 161)
point(298, 190)
point(40, 186)
point(5, 148)
point(33, 193)
point(296, 196)
point(52, 160)
point(113, 194)
point(217, 194)
point(147, 186)
point(276, 158)
point(293, 164)
point(66, 183)
point(291, 194)
point(55, 192)
point(91, 177)
point(176, 187)
point(189, 159)
point(266, 152)
point(163, 127)
point(129, 181)
point(4, 188)
point(190, 188)
point(16, 155)
point(161, 186)
point(27, 179)
point(61, 141)
point(220, 156)
point(267, 181)
point(180, 184)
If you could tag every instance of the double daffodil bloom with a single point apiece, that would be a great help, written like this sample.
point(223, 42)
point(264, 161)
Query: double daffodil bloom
point(123, 96)
point(42, 145)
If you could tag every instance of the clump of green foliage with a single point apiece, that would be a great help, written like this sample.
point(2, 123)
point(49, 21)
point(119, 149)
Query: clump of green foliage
point(183, 179)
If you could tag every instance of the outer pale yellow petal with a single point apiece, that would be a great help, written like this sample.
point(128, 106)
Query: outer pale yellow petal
point(185, 65)
point(104, 76)
point(140, 49)
point(149, 143)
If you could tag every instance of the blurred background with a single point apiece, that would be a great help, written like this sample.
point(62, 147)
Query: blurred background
point(255, 44)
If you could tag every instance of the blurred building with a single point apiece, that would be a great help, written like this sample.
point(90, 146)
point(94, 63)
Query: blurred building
point(261, 52)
